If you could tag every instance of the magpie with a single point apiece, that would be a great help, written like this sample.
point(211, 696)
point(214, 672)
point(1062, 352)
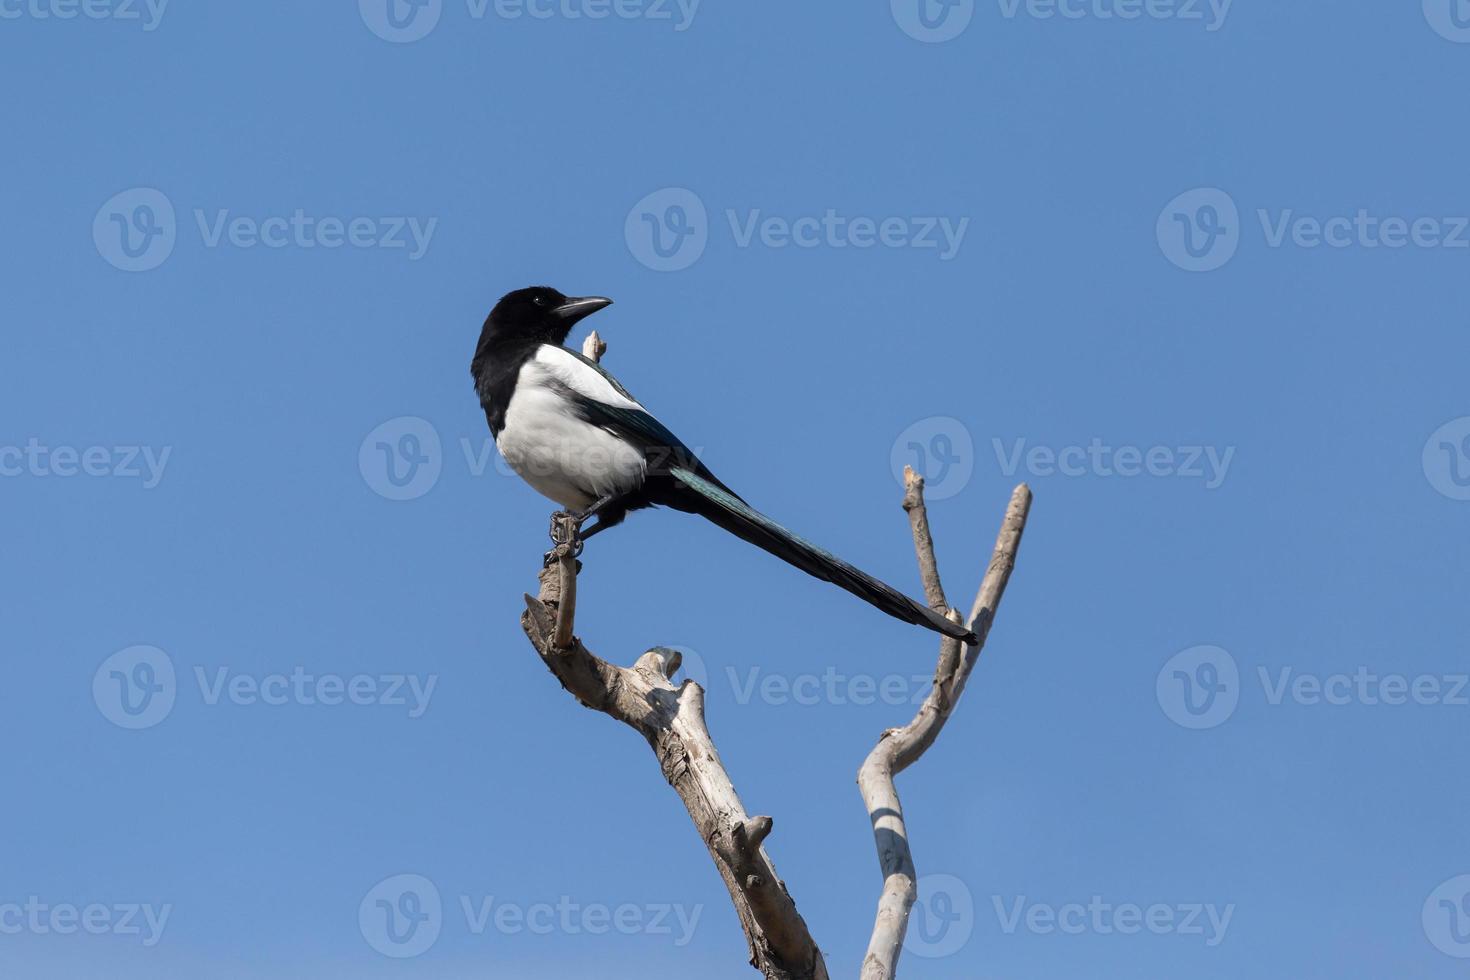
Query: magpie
point(577, 436)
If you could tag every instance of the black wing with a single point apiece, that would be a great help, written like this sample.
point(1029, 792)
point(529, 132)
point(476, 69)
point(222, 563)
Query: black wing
point(664, 451)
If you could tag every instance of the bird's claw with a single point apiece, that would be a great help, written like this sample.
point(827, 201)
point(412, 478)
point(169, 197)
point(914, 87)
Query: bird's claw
point(565, 535)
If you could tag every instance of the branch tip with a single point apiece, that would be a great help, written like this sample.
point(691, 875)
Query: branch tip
point(757, 829)
point(594, 346)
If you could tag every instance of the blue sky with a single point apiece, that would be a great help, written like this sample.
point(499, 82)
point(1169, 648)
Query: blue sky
point(1197, 274)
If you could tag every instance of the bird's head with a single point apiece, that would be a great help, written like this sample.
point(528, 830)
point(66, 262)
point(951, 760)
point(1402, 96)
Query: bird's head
point(538, 313)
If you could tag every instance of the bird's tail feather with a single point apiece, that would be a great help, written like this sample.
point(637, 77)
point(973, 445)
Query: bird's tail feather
point(713, 501)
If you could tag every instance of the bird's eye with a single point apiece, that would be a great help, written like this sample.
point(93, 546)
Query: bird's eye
point(539, 300)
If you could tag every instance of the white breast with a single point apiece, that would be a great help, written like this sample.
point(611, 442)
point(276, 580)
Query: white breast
point(564, 458)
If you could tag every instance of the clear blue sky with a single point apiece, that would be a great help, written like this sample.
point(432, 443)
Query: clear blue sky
point(1107, 296)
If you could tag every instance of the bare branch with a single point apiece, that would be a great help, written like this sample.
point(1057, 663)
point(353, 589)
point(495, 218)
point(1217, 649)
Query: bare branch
point(913, 503)
point(898, 748)
point(672, 720)
point(566, 565)
point(594, 347)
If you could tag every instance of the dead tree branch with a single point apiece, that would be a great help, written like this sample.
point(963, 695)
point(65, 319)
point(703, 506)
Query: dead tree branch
point(898, 748)
point(672, 720)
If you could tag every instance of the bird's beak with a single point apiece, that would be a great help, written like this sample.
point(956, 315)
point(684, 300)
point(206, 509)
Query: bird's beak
point(578, 307)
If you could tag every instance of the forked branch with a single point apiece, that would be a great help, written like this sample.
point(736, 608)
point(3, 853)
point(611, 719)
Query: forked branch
point(672, 719)
point(899, 748)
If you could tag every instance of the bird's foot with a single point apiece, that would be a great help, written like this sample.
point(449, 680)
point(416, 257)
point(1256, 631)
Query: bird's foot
point(566, 527)
point(553, 556)
point(566, 536)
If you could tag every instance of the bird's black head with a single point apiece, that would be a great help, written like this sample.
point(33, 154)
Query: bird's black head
point(538, 313)
point(521, 321)
point(526, 318)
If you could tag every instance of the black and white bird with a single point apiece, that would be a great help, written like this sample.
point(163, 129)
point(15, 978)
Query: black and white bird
point(578, 437)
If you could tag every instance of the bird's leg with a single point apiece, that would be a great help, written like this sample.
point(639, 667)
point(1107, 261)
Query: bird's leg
point(610, 513)
point(566, 527)
point(599, 526)
point(597, 508)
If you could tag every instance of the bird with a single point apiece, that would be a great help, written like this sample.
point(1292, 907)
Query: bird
point(578, 437)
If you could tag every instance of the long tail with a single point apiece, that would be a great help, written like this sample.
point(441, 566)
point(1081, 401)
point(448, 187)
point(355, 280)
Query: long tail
point(713, 501)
